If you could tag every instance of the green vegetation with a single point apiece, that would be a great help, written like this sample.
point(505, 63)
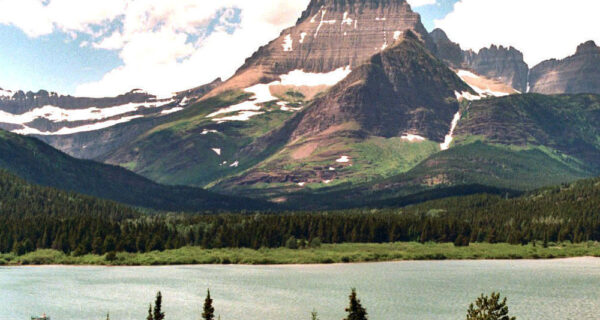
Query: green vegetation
point(327, 253)
point(489, 308)
point(38, 163)
point(355, 309)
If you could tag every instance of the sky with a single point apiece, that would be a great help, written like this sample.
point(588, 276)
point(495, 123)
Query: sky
point(108, 47)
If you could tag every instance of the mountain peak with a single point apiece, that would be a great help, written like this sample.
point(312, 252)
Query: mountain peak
point(588, 47)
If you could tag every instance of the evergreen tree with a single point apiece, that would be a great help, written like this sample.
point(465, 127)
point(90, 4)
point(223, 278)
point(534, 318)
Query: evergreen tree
point(314, 315)
point(355, 309)
point(158, 314)
point(489, 308)
point(107, 316)
point(209, 310)
point(150, 317)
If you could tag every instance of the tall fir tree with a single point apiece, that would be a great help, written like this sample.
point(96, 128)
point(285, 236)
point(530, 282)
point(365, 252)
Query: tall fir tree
point(150, 317)
point(489, 308)
point(209, 310)
point(158, 314)
point(355, 309)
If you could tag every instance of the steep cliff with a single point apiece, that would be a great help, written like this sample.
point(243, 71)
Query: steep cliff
point(579, 73)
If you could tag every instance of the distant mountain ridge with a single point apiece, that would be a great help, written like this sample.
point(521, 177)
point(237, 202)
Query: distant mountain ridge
point(579, 73)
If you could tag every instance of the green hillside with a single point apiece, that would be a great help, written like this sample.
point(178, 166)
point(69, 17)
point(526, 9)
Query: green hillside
point(41, 164)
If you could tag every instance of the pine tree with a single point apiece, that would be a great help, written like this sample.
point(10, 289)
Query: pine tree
point(314, 315)
point(489, 308)
point(158, 314)
point(150, 317)
point(107, 316)
point(355, 309)
point(209, 310)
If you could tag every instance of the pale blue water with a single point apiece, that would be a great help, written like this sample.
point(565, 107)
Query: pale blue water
point(559, 289)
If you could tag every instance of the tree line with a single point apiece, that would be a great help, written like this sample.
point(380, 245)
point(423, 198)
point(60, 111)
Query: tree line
point(43, 218)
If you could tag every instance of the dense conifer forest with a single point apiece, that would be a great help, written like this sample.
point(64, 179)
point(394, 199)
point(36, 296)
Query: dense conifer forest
point(36, 217)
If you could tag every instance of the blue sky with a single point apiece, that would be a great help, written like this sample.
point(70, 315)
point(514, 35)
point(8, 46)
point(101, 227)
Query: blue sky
point(100, 48)
point(64, 59)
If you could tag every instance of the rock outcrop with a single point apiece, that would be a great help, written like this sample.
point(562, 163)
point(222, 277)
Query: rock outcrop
point(496, 62)
point(579, 73)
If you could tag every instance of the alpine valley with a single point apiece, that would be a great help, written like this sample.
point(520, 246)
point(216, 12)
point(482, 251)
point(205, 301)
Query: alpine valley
point(356, 105)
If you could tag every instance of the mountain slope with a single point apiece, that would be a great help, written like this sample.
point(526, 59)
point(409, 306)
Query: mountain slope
point(22, 199)
point(403, 100)
point(579, 73)
point(39, 163)
point(518, 143)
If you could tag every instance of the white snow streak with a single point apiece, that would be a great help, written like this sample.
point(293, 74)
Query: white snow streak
point(397, 35)
point(56, 114)
point(171, 110)
point(217, 151)
point(450, 136)
point(86, 128)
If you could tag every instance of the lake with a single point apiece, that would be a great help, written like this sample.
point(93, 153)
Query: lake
point(536, 289)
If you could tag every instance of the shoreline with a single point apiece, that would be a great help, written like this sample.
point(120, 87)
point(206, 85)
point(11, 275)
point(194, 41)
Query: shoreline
point(328, 254)
point(559, 259)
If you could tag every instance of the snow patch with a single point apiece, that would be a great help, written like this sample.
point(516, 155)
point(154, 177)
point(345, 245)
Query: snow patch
point(343, 159)
point(483, 92)
point(302, 184)
point(412, 138)
point(66, 131)
point(302, 36)
point(288, 43)
point(56, 114)
point(466, 95)
point(347, 20)
point(331, 169)
point(450, 135)
point(397, 35)
point(326, 181)
point(171, 110)
point(217, 151)
point(205, 132)
point(380, 19)
point(242, 116)
point(235, 164)
point(301, 78)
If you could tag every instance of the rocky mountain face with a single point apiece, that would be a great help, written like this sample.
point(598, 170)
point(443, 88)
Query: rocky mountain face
point(402, 97)
point(497, 62)
point(331, 34)
point(579, 73)
point(403, 90)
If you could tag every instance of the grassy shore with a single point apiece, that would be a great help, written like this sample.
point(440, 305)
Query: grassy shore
point(338, 253)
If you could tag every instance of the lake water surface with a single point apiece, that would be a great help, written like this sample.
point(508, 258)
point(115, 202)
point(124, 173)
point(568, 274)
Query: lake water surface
point(557, 289)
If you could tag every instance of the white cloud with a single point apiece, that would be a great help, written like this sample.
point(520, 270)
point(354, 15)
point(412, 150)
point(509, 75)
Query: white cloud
point(159, 57)
point(420, 3)
point(39, 17)
point(164, 45)
point(542, 29)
